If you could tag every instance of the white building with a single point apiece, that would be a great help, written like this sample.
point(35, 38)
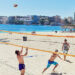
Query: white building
point(26, 19)
point(3, 19)
point(57, 19)
point(70, 19)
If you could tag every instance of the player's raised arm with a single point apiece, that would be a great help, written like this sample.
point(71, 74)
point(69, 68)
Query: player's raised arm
point(21, 50)
point(26, 52)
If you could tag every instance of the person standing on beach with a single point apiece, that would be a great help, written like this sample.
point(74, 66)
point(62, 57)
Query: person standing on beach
point(51, 61)
point(65, 48)
point(21, 60)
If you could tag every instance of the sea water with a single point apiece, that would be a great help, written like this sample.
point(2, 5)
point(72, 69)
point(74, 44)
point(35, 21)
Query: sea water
point(29, 28)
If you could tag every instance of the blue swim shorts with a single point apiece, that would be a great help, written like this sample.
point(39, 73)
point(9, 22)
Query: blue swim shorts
point(21, 66)
point(50, 63)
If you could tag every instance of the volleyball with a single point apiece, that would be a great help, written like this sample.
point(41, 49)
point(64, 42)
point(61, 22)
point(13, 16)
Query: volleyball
point(15, 5)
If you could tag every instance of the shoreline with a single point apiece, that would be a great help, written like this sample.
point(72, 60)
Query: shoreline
point(45, 33)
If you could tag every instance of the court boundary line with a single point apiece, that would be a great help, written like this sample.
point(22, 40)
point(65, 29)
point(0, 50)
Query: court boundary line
point(37, 49)
point(37, 34)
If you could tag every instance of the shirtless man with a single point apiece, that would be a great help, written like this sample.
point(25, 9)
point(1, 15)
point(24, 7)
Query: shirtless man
point(21, 60)
point(65, 48)
point(51, 61)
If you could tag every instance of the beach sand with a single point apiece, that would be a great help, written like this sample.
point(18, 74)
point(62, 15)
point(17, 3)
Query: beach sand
point(35, 61)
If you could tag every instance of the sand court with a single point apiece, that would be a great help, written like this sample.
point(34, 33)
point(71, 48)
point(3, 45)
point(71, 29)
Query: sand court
point(36, 60)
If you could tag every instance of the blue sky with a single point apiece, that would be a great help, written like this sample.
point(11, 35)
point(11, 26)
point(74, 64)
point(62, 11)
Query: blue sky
point(64, 8)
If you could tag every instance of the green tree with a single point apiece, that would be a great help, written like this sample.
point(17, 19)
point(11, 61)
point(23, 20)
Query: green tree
point(42, 21)
point(66, 21)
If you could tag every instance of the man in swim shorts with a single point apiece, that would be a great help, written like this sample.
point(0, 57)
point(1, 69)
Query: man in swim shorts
point(21, 60)
point(65, 48)
point(51, 61)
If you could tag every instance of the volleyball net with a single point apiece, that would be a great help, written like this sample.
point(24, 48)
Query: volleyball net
point(34, 41)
